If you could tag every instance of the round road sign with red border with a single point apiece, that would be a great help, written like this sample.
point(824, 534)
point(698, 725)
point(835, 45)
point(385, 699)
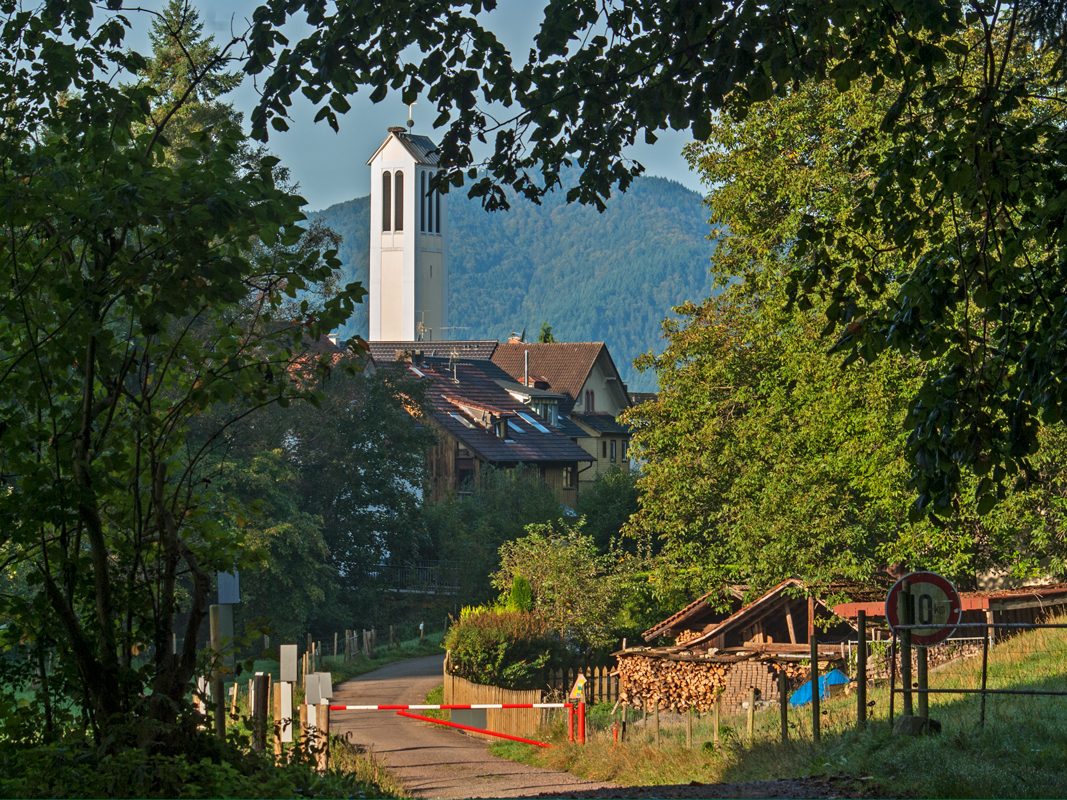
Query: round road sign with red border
point(936, 605)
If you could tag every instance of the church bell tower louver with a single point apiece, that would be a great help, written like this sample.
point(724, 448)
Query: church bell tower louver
point(408, 242)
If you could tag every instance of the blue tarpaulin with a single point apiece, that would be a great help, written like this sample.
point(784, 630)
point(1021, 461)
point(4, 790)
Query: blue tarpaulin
point(802, 696)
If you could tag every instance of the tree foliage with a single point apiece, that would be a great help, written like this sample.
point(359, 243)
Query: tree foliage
point(140, 292)
point(579, 590)
point(469, 529)
point(978, 144)
point(607, 504)
point(767, 454)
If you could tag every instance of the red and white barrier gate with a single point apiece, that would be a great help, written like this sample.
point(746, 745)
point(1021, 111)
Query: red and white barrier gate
point(402, 710)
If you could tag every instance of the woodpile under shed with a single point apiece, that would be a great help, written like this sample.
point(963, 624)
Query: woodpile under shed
point(676, 681)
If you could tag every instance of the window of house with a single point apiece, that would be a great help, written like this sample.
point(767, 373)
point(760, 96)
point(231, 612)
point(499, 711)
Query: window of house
point(604, 449)
point(398, 217)
point(387, 201)
point(423, 204)
point(437, 210)
point(568, 476)
point(590, 400)
point(613, 451)
point(624, 449)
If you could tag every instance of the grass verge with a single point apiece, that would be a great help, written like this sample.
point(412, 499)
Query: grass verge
point(435, 697)
point(1021, 751)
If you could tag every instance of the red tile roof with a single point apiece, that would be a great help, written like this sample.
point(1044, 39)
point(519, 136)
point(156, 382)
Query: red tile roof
point(564, 365)
point(475, 385)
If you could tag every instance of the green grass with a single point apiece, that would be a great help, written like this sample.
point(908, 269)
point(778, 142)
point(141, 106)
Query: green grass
point(1021, 751)
point(436, 696)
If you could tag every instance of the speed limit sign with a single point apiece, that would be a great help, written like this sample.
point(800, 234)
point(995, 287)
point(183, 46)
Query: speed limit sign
point(936, 607)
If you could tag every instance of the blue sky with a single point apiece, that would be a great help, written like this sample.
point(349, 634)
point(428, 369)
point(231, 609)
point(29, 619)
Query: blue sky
point(331, 167)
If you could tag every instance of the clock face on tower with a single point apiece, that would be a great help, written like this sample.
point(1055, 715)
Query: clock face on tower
point(408, 242)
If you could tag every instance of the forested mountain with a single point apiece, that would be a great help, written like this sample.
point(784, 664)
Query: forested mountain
point(608, 277)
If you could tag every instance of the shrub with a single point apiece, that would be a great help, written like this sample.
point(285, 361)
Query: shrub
point(521, 595)
point(509, 649)
point(76, 770)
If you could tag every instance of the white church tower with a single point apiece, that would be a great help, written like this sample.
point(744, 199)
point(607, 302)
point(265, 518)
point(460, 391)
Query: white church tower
point(408, 242)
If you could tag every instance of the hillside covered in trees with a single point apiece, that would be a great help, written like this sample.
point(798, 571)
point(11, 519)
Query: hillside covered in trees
point(609, 277)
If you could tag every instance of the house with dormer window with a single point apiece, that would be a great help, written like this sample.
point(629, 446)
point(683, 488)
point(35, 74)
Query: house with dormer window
point(590, 392)
point(479, 421)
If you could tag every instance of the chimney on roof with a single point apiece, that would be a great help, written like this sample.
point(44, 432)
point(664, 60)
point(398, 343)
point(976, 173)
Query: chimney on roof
point(409, 356)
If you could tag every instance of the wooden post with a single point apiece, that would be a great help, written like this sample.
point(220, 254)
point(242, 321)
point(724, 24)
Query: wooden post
point(323, 736)
point(259, 712)
point(335, 645)
point(302, 739)
point(904, 609)
point(985, 663)
point(233, 702)
point(655, 721)
point(892, 675)
point(861, 669)
point(392, 636)
point(990, 631)
point(422, 632)
point(218, 690)
point(783, 701)
point(625, 720)
point(715, 722)
point(751, 713)
point(689, 727)
point(922, 701)
point(815, 688)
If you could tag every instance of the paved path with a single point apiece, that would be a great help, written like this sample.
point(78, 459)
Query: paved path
point(431, 760)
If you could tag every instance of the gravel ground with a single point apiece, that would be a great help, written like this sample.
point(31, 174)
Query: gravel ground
point(818, 786)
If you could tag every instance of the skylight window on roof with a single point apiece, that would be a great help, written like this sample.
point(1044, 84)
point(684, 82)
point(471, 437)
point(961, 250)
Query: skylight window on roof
point(515, 427)
point(536, 425)
point(463, 420)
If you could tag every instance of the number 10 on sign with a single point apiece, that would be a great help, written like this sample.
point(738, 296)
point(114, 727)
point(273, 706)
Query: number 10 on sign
point(936, 607)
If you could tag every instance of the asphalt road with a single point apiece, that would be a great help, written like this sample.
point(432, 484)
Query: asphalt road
point(431, 760)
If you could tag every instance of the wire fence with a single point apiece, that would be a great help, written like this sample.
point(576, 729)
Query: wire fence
point(1040, 658)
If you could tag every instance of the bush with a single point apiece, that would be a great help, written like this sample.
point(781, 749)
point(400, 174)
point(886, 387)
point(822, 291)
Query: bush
point(509, 649)
point(521, 595)
point(77, 771)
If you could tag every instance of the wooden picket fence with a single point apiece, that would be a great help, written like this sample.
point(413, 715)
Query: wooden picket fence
point(600, 685)
point(522, 722)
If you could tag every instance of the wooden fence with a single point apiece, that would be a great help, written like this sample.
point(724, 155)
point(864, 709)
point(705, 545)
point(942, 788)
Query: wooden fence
point(600, 685)
point(522, 722)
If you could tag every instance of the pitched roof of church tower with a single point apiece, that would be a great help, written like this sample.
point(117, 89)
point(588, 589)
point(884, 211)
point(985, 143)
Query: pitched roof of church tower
point(422, 148)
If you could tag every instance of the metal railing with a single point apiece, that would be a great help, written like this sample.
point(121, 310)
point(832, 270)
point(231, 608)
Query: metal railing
point(420, 577)
point(907, 691)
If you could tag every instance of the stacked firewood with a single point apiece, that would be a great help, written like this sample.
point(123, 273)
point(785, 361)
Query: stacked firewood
point(797, 673)
point(672, 685)
point(686, 636)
